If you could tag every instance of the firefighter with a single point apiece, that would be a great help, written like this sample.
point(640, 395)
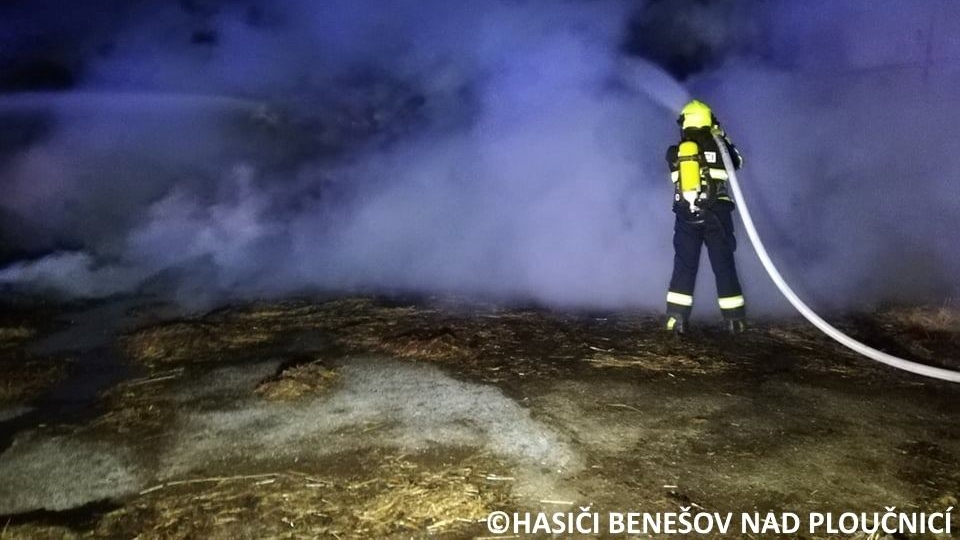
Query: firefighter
point(704, 215)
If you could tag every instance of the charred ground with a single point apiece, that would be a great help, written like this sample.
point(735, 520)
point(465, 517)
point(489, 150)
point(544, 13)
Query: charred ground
point(377, 418)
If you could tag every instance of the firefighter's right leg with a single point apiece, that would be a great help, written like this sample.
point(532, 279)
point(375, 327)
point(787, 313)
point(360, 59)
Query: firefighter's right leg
point(687, 240)
point(721, 244)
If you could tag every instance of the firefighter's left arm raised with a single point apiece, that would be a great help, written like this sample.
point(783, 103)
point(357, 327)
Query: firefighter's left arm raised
point(732, 148)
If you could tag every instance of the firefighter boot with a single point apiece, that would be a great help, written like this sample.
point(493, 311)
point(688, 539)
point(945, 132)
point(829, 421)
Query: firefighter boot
point(736, 326)
point(676, 324)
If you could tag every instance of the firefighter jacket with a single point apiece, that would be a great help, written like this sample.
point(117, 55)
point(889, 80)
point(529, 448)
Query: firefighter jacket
point(696, 166)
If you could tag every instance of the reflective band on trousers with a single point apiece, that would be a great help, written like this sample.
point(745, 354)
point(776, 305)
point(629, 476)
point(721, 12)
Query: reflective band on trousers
point(679, 299)
point(731, 302)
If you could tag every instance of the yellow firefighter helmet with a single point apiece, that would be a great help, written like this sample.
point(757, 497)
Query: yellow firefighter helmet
point(695, 114)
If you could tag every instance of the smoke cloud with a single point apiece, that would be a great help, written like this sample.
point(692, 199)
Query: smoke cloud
point(213, 150)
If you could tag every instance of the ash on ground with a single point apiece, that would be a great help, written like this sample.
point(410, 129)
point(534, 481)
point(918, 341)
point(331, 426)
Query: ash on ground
point(378, 418)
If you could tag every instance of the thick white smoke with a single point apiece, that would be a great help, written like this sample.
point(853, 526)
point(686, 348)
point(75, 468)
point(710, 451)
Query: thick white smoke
point(506, 148)
point(849, 129)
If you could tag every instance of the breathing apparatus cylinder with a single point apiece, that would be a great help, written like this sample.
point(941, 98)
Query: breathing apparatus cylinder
point(688, 157)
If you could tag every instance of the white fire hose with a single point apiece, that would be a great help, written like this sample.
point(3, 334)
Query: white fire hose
point(809, 314)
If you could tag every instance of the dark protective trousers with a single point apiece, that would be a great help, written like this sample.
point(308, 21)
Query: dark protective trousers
point(716, 231)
